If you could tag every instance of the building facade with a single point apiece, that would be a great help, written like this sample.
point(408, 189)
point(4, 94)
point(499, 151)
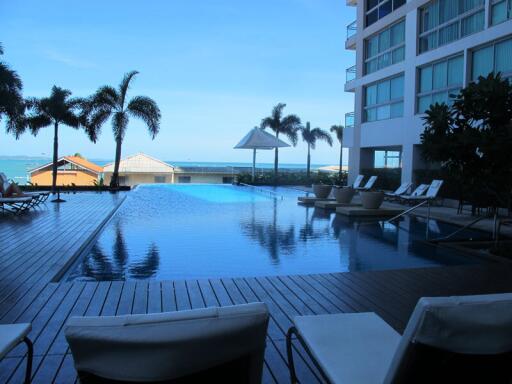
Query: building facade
point(410, 54)
point(71, 170)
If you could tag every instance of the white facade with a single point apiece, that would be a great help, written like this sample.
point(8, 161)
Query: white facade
point(403, 133)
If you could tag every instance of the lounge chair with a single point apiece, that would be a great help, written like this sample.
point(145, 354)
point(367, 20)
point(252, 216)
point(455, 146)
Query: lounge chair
point(358, 181)
point(38, 197)
point(369, 184)
point(431, 194)
point(10, 336)
point(16, 204)
point(196, 345)
point(403, 188)
point(465, 339)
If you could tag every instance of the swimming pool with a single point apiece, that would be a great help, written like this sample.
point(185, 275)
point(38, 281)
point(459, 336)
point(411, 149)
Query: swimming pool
point(212, 231)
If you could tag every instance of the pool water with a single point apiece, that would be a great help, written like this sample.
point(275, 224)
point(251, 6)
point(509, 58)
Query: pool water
point(212, 231)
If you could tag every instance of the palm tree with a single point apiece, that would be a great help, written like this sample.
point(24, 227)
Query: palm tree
point(12, 105)
point(110, 102)
point(310, 136)
point(55, 110)
point(338, 130)
point(287, 125)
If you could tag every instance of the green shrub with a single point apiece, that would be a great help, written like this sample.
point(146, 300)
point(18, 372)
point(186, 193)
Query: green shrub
point(387, 178)
point(292, 178)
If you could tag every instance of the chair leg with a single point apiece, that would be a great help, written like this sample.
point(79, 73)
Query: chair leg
point(30, 357)
point(289, 352)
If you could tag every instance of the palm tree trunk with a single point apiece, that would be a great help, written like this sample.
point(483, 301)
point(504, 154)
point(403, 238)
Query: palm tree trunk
point(276, 160)
point(114, 183)
point(55, 156)
point(341, 162)
point(309, 162)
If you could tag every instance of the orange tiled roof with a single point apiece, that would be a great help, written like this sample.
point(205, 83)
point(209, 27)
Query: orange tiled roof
point(84, 163)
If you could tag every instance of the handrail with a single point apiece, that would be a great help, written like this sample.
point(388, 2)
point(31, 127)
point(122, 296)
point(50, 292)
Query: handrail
point(349, 119)
point(460, 229)
point(351, 29)
point(407, 211)
point(350, 74)
point(275, 194)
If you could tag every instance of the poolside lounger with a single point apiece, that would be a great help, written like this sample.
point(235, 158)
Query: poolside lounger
point(369, 184)
point(199, 345)
point(465, 339)
point(16, 204)
point(10, 336)
point(403, 188)
point(431, 194)
point(358, 181)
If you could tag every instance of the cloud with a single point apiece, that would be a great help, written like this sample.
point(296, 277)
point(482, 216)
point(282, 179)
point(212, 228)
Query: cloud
point(68, 60)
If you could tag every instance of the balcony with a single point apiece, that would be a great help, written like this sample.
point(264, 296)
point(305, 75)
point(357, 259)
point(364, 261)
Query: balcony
point(350, 43)
point(349, 120)
point(350, 74)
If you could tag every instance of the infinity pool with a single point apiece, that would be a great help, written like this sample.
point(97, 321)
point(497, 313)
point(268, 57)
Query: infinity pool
point(208, 231)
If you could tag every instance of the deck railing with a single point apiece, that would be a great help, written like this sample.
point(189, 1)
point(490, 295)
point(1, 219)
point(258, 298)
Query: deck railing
point(350, 73)
point(351, 29)
point(349, 120)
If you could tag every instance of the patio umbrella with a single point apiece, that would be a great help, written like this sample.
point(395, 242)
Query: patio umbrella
point(257, 138)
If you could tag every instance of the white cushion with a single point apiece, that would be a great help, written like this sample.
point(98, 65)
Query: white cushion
point(11, 335)
point(350, 347)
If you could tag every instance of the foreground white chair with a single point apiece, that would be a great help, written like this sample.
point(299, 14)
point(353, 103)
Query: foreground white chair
point(10, 336)
point(16, 204)
point(403, 188)
point(432, 192)
point(465, 339)
point(369, 184)
point(196, 345)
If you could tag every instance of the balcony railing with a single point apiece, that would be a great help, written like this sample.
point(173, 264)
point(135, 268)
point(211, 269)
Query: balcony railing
point(351, 29)
point(349, 120)
point(350, 73)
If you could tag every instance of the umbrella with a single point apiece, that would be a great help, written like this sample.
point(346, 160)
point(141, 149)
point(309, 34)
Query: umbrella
point(257, 138)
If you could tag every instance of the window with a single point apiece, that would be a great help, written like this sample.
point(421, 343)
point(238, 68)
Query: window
point(493, 58)
point(385, 99)
point(385, 48)
point(444, 21)
point(227, 180)
point(387, 159)
point(438, 81)
point(159, 179)
point(501, 10)
point(184, 179)
point(377, 9)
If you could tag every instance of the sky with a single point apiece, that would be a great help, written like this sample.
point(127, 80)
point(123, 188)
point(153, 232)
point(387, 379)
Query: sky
point(214, 67)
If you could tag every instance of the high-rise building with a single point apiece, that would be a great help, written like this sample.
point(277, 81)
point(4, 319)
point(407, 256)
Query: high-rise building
point(410, 54)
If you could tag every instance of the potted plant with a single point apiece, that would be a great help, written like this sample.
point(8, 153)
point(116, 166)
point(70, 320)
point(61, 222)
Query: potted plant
point(344, 195)
point(371, 199)
point(322, 191)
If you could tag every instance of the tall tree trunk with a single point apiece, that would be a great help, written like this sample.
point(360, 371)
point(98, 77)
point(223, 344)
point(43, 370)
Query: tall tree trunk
point(309, 162)
point(276, 160)
point(55, 156)
point(341, 161)
point(114, 183)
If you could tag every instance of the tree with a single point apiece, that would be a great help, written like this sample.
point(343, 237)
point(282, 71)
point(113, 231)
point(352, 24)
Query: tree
point(472, 140)
point(12, 105)
point(287, 125)
point(109, 102)
point(338, 131)
point(55, 110)
point(310, 136)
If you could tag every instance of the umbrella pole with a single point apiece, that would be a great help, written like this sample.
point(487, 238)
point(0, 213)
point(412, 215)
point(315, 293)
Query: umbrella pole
point(253, 164)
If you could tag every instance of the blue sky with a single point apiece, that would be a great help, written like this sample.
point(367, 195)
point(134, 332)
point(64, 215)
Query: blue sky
point(215, 68)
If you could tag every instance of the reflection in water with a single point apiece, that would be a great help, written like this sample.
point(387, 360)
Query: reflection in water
point(100, 266)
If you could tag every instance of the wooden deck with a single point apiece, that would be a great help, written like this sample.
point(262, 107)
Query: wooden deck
point(34, 248)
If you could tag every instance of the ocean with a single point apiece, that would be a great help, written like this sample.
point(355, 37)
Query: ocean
point(17, 168)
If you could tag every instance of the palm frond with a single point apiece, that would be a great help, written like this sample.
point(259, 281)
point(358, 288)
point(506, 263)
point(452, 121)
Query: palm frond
point(125, 84)
point(267, 122)
point(320, 134)
point(147, 110)
point(1, 49)
point(338, 130)
point(119, 124)
point(9, 79)
point(106, 96)
point(94, 121)
point(36, 122)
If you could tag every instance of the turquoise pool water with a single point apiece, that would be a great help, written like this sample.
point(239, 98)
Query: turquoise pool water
point(207, 231)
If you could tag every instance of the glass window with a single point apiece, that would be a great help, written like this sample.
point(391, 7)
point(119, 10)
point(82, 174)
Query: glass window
point(501, 10)
point(377, 9)
point(483, 62)
point(387, 159)
point(385, 48)
point(503, 55)
point(384, 100)
point(438, 81)
point(444, 21)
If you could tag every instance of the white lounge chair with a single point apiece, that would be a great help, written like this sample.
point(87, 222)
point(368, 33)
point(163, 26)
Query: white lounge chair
point(369, 184)
point(447, 339)
point(16, 204)
point(431, 194)
point(10, 336)
point(38, 197)
point(403, 188)
point(358, 181)
point(200, 344)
